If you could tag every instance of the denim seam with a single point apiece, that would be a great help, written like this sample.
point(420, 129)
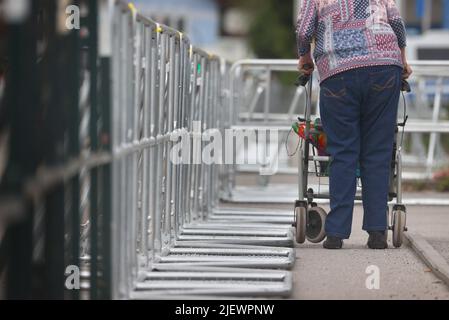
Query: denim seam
point(336, 234)
point(375, 228)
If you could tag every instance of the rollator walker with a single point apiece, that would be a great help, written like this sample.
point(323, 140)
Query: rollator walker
point(309, 218)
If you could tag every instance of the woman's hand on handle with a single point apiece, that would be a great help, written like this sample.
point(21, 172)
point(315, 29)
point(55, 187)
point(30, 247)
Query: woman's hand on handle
point(304, 62)
point(407, 69)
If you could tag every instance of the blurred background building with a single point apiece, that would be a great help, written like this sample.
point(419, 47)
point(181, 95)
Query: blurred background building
point(229, 27)
point(219, 26)
point(199, 18)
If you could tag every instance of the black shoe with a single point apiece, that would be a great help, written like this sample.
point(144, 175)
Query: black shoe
point(377, 240)
point(333, 243)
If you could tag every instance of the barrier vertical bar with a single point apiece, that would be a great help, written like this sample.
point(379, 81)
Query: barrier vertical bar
point(152, 152)
point(92, 25)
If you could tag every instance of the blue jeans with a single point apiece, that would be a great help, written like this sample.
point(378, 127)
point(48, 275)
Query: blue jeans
point(359, 115)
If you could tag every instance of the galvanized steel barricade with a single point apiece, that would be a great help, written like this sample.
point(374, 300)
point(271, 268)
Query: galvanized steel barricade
point(259, 102)
point(164, 90)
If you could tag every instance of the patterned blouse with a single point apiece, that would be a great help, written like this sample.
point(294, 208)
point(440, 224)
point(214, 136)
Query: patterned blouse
point(350, 34)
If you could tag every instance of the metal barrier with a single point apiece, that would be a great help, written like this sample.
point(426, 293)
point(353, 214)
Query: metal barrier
point(165, 89)
point(149, 227)
point(259, 102)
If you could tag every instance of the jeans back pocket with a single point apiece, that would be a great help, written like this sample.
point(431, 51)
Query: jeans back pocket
point(334, 87)
point(386, 79)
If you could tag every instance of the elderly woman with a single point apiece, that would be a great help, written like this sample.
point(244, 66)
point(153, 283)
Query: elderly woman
point(360, 54)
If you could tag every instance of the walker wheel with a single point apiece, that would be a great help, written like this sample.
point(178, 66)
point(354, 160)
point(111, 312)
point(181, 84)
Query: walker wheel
point(315, 232)
point(301, 224)
point(399, 220)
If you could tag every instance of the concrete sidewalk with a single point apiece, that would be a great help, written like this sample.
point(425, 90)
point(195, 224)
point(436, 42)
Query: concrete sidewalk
point(433, 225)
point(341, 274)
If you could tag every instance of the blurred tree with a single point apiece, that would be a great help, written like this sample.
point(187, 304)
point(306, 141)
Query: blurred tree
point(271, 32)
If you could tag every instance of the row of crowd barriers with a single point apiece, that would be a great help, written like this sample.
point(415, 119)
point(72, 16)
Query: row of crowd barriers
point(260, 101)
point(104, 195)
point(171, 237)
point(163, 238)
